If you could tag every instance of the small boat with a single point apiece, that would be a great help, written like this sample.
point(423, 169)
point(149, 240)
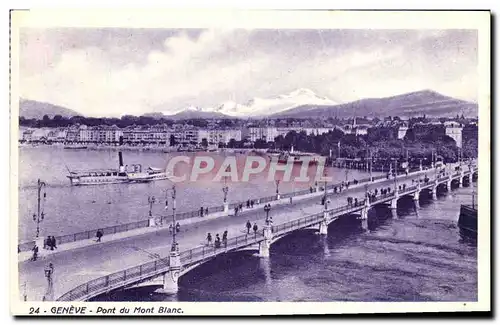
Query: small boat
point(296, 158)
point(75, 147)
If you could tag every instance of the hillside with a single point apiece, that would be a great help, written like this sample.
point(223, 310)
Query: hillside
point(197, 114)
point(34, 109)
point(412, 104)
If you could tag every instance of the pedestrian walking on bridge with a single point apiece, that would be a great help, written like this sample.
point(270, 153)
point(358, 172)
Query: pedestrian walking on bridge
point(35, 253)
point(53, 243)
point(224, 238)
point(255, 228)
point(99, 235)
point(249, 226)
point(177, 228)
point(209, 239)
point(217, 241)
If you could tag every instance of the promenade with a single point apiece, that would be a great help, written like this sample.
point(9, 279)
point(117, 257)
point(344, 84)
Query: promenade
point(76, 265)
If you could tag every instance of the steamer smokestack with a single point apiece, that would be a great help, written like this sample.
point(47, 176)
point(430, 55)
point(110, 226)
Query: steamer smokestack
point(120, 159)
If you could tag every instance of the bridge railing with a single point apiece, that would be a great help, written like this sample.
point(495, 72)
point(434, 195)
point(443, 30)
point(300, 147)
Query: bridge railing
point(203, 252)
point(298, 223)
point(26, 246)
point(443, 178)
point(407, 190)
point(109, 281)
point(379, 197)
point(105, 230)
point(312, 219)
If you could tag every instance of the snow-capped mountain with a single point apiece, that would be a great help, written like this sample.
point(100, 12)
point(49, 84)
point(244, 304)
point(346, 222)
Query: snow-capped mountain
point(267, 106)
point(256, 106)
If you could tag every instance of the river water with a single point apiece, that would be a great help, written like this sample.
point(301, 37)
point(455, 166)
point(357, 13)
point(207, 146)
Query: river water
point(418, 256)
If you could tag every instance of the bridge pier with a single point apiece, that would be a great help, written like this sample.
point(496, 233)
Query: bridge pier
point(394, 207)
point(416, 198)
point(265, 245)
point(171, 278)
point(434, 192)
point(226, 208)
point(469, 178)
point(323, 226)
point(460, 179)
point(364, 218)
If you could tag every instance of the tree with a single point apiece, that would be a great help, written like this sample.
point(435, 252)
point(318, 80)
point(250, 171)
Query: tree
point(232, 143)
point(260, 144)
point(173, 141)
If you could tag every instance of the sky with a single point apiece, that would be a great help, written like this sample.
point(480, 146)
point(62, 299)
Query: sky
point(112, 72)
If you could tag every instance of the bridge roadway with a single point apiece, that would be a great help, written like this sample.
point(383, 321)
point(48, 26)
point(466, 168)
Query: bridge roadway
point(74, 267)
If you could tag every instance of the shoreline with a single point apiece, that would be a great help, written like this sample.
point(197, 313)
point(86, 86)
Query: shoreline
point(133, 148)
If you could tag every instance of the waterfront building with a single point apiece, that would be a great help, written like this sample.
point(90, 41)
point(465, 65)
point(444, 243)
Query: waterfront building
point(216, 136)
point(403, 128)
point(73, 134)
point(88, 134)
point(454, 131)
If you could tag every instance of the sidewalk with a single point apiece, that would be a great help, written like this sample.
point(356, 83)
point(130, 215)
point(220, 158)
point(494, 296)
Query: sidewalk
point(25, 256)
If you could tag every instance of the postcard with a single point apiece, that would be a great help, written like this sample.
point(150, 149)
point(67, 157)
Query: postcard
point(239, 162)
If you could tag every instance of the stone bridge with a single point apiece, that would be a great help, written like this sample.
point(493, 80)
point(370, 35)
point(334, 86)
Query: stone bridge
point(177, 264)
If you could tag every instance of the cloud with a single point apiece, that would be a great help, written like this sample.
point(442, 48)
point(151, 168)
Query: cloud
point(113, 72)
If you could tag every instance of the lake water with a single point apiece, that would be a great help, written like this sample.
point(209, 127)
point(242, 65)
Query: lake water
point(71, 209)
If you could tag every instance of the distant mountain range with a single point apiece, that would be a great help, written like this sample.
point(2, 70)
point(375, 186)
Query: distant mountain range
point(301, 103)
point(426, 102)
point(256, 107)
point(304, 103)
point(34, 109)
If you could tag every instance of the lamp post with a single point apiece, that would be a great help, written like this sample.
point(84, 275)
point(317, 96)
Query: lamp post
point(225, 188)
point(324, 192)
point(267, 208)
point(473, 198)
point(151, 201)
point(40, 215)
point(173, 191)
point(395, 174)
point(420, 166)
point(49, 274)
point(371, 164)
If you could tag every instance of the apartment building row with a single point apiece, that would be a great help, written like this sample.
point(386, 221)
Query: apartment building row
point(113, 134)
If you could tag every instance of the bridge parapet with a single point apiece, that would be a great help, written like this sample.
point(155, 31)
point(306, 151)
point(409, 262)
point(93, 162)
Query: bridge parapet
point(408, 190)
point(114, 280)
point(203, 252)
point(297, 224)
